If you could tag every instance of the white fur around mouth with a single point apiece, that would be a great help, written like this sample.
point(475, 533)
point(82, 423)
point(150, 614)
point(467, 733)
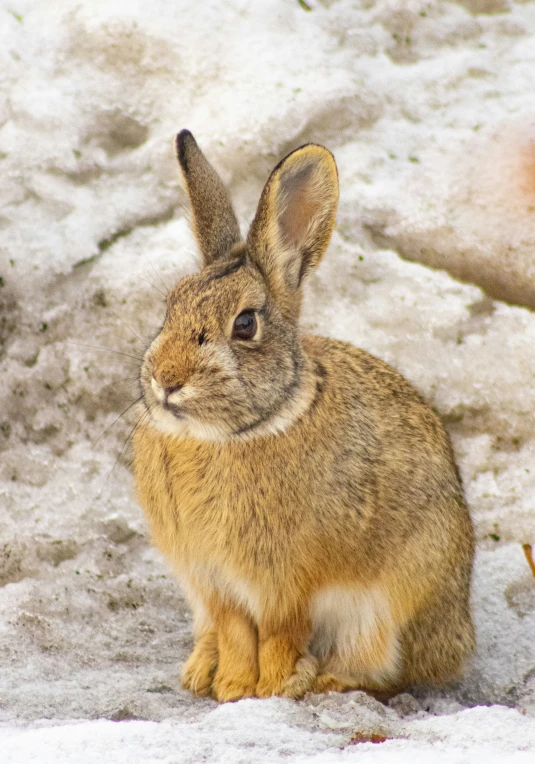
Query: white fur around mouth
point(165, 421)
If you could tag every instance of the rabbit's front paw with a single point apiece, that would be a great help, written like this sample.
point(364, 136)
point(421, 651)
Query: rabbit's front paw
point(199, 669)
point(229, 688)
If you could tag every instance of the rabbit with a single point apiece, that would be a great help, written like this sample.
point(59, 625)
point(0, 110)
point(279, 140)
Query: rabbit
point(302, 490)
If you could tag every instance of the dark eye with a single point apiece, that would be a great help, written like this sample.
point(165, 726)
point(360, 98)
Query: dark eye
point(245, 326)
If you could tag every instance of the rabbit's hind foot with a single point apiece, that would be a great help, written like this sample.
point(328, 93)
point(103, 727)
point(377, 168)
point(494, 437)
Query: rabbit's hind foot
point(303, 679)
point(330, 683)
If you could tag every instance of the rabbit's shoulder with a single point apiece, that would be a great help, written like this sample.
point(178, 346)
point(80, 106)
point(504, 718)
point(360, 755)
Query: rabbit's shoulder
point(352, 371)
point(363, 396)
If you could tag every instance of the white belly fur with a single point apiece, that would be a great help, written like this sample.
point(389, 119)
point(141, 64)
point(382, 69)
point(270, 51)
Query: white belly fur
point(354, 633)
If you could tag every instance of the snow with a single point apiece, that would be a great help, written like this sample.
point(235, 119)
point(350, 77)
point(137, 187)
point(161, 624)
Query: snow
point(429, 109)
point(275, 731)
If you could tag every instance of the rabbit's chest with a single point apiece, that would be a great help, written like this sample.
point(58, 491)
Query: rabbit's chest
point(234, 524)
point(202, 509)
point(219, 522)
point(222, 543)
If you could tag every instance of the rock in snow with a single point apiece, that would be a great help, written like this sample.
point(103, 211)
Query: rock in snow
point(429, 108)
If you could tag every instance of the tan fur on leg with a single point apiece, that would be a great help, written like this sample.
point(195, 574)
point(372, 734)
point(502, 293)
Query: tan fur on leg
point(237, 671)
point(278, 655)
point(199, 669)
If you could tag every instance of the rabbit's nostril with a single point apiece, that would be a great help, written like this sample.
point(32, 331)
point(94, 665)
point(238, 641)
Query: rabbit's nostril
point(167, 391)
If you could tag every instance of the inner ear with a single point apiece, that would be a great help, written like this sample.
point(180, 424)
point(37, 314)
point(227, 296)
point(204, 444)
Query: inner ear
point(300, 205)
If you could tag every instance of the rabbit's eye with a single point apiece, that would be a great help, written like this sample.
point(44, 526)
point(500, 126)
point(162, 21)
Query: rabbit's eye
point(245, 326)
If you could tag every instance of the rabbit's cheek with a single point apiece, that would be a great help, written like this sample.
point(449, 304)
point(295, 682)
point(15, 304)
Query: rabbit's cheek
point(220, 359)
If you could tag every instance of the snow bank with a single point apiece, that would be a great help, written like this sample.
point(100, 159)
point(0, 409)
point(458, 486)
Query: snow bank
point(430, 111)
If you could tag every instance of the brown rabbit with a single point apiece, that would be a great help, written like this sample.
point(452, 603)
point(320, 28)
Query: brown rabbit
point(302, 490)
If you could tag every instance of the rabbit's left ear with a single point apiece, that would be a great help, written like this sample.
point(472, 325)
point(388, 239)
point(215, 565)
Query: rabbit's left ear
point(295, 218)
point(214, 222)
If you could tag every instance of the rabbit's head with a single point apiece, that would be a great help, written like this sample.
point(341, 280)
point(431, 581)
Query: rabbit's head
point(228, 362)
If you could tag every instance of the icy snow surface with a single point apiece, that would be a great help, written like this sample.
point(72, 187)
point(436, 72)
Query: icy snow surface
point(429, 108)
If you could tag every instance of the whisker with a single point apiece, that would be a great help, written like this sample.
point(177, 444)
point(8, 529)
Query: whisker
point(156, 272)
point(128, 327)
point(115, 421)
point(107, 350)
point(143, 416)
point(155, 287)
point(115, 382)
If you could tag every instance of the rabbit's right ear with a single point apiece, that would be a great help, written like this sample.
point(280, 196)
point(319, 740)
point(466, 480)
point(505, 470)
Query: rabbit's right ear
point(214, 222)
point(294, 221)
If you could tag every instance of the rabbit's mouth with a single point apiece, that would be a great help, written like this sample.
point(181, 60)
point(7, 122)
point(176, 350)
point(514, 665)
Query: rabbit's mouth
point(176, 411)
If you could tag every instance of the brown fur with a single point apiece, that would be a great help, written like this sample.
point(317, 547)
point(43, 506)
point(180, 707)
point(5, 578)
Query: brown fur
point(303, 491)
